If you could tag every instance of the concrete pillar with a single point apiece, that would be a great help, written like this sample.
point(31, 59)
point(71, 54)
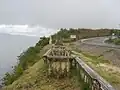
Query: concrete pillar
point(80, 71)
point(50, 67)
point(70, 62)
point(50, 41)
point(96, 85)
point(91, 83)
point(85, 78)
point(66, 69)
point(75, 63)
point(82, 75)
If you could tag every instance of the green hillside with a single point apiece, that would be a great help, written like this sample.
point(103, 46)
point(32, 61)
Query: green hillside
point(29, 73)
point(34, 78)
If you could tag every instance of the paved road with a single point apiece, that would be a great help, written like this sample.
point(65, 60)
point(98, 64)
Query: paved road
point(99, 41)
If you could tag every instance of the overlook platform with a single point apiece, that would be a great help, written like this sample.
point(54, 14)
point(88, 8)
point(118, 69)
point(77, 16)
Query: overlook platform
point(60, 61)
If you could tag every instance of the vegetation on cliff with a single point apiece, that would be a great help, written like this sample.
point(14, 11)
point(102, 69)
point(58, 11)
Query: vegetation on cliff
point(35, 78)
point(64, 34)
point(31, 55)
point(25, 60)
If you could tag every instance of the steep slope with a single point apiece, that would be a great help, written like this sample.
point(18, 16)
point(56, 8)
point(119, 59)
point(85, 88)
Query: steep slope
point(35, 78)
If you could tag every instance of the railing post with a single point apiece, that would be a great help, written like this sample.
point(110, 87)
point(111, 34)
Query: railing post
point(78, 70)
point(90, 82)
point(75, 63)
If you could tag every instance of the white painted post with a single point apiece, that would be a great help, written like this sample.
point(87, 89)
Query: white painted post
point(50, 41)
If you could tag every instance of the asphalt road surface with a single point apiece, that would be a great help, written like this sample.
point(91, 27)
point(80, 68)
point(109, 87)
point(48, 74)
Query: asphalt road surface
point(100, 41)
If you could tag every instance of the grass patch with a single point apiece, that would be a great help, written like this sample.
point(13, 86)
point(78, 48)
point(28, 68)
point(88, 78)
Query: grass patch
point(35, 78)
point(99, 64)
point(26, 59)
point(108, 72)
point(95, 59)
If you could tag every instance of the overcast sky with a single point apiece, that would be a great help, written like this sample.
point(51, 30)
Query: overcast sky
point(61, 13)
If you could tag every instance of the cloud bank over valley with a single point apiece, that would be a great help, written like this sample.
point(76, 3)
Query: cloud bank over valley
point(27, 30)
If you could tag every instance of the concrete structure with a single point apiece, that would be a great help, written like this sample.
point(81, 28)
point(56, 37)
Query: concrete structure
point(73, 37)
point(61, 61)
point(58, 61)
point(50, 41)
point(89, 77)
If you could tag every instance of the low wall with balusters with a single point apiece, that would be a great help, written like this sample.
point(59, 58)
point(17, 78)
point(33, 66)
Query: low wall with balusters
point(60, 62)
point(89, 77)
point(57, 60)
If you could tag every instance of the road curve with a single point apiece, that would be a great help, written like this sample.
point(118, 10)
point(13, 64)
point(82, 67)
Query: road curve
point(99, 41)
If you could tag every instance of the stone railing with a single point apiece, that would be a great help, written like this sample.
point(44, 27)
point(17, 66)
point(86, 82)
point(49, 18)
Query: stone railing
point(60, 62)
point(90, 78)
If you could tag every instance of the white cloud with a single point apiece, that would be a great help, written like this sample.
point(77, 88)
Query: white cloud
point(26, 30)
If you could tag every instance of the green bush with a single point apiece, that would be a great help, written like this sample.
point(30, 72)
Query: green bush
point(114, 41)
point(26, 59)
point(117, 41)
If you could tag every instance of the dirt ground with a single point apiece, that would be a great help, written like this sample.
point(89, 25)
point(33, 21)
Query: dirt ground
point(111, 54)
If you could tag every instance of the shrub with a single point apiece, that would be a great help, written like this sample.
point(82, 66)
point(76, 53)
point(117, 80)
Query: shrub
point(26, 59)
